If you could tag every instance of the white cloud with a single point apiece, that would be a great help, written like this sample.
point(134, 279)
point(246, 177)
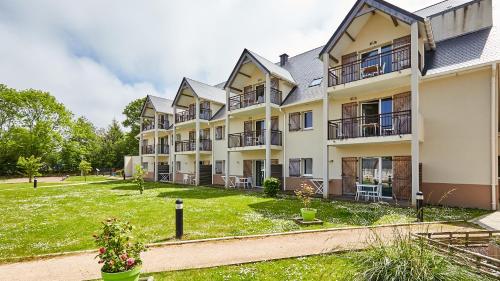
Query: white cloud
point(96, 56)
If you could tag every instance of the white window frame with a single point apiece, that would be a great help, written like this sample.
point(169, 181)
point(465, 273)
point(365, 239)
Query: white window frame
point(304, 128)
point(303, 168)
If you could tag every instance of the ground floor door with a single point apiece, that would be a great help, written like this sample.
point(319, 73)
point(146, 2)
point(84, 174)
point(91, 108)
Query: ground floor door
point(260, 168)
point(401, 186)
point(349, 174)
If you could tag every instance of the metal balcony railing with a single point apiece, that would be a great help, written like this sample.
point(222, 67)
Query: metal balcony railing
point(187, 115)
point(254, 138)
point(253, 98)
point(190, 145)
point(387, 124)
point(163, 149)
point(383, 63)
point(147, 149)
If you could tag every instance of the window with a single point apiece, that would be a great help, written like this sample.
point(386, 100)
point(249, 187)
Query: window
point(307, 164)
point(308, 120)
point(145, 166)
point(294, 167)
point(294, 121)
point(219, 167)
point(219, 132)
point(177, 166)
point(315, 82)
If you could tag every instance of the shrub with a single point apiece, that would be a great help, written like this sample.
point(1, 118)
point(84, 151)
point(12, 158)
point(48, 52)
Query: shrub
point(271, 186)
point(305, 194)
point(85, 167)
point(404, 259)
point(30, 166)
point(139, 178)
point(117, 253)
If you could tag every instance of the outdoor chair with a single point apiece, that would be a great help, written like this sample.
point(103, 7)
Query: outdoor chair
point(359, 191)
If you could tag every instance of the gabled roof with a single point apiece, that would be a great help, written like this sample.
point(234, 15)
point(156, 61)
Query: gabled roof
point(202, 90)
point(159, 104)
point(264, 64)
point(220, 114)
point(357, 9)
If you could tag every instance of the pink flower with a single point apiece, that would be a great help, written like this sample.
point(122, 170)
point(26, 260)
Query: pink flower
point(123, 257)
point(130, 261)
point(102, 250)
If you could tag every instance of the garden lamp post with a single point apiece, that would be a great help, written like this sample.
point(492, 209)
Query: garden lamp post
point(420, 206)
point(179, 217)
point(35, 181)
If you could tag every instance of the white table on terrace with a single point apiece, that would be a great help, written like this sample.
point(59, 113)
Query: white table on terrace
point(371, 190)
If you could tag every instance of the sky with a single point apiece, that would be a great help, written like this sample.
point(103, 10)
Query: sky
point(96, 56)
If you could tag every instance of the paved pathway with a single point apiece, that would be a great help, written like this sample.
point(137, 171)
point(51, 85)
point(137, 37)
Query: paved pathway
point(489, 221)
point(215, 252)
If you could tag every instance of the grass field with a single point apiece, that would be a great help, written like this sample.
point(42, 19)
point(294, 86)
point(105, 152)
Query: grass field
point(63, 218)
point(323, 267)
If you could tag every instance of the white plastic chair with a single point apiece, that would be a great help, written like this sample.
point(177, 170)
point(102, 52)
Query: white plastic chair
point(185, 178)
point(359, 191)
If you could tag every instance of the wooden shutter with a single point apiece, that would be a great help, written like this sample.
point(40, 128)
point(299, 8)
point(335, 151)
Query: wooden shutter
point(275, 124)
point(294, 121)
point(294, 167)
point(275, 134)
point(350, 70)
point(275, 83)
point(247, 168)
point(349, 121)
point(401, 56)
point(401, 184)
point(349, 175)
point(402, 117)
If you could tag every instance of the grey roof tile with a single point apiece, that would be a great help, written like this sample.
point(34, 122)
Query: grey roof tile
point(208, 92)
point(440, 7)
point(162, 105)
point(219, 114)
point(275, 69)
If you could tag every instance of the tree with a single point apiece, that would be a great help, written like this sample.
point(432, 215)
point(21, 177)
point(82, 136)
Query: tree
point(85, 167)
point(82, 142)
point(139, 178)
point(30, 166)
point(132, 122)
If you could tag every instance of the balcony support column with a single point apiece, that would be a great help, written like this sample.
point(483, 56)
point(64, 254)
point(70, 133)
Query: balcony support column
point(494, 136)
point(415, 110)
point(141, 139)
point(326, 176)
point(155, 147)
point(228, 156)
point(268, 126)
point(173, 150)
point(197, 142)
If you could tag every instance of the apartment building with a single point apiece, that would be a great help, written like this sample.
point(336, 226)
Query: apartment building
point(406, 100)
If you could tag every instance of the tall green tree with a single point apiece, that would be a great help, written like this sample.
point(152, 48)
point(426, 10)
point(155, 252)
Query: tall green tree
point(81, 143)
point(132, 122)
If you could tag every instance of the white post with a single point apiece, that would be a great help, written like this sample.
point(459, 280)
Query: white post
point(415, 109)
point(155, 143)
point(212, 154)
point(197, 142)
point(172, 149)
point(226, 164)
point(283, 143)
point(494, 136)
point(141, 139)
point(326, 177)
point(267, 173)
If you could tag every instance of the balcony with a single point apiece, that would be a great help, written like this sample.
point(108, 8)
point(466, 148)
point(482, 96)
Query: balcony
point(375, 126)
point(254, 138)
point(187, 115)
point(163, 149)
point(387, 62)
point(190, 145)
point(150, 126)
point(163, 125)
point(253, 98)
point(148, 149)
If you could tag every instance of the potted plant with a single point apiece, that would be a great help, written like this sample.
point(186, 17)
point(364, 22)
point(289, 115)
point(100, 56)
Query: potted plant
point(120, 258)
point(305, 193)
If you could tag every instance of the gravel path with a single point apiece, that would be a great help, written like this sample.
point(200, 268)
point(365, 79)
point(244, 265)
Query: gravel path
point(215, 252)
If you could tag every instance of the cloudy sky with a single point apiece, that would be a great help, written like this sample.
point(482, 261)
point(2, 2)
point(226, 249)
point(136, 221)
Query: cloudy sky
point(96, 56)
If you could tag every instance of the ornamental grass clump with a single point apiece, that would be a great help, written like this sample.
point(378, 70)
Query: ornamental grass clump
point(117, 252)
point(404, 259)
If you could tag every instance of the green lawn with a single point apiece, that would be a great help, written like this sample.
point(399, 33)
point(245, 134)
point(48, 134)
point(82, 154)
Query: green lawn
point(323, 267)
point(63, 218)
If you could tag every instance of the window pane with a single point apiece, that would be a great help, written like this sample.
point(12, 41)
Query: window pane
point(308, 119)
point(308, 166)
point(370, 170)
point(387, 176)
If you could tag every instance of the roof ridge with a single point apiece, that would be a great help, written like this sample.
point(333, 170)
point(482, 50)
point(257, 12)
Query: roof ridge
point(437, 3)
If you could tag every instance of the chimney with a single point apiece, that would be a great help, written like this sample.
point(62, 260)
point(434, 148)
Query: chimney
point(283, 59)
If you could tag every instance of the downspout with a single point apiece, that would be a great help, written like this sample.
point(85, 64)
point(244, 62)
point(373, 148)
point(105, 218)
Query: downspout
point(494, 135)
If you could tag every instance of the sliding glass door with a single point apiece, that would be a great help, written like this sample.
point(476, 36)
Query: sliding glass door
point(378, 170)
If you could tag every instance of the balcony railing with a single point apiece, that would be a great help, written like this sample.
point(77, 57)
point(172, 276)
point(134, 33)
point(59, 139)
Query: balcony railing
point(386, 124)
point(163, 149)
point(163, 125)
point(150, 126)
point(383, 63)
point(253, 98)
point(188, 115)
point(254, 138)
point(190, 145)
point(148, 149)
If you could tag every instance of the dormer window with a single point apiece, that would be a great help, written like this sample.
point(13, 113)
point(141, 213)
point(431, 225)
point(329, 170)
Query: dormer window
point(316, 82)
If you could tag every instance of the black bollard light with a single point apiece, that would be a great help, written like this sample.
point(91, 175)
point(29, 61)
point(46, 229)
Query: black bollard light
point(420, 206)
point(35, 182)
point(123, 175)
point(179, 225)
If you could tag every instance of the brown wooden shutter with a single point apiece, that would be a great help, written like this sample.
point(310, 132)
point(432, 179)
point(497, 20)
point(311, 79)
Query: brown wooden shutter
point(349, 175)
point(275, 83)
point(350, 70)
point(294, 167)
point(247, 135)
point(294, 121)
point(247, 168)
point(401, 184)
point(191, 136)
point(401, 56)
point(349, 121)
point(275, 124)
point(402, 116)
